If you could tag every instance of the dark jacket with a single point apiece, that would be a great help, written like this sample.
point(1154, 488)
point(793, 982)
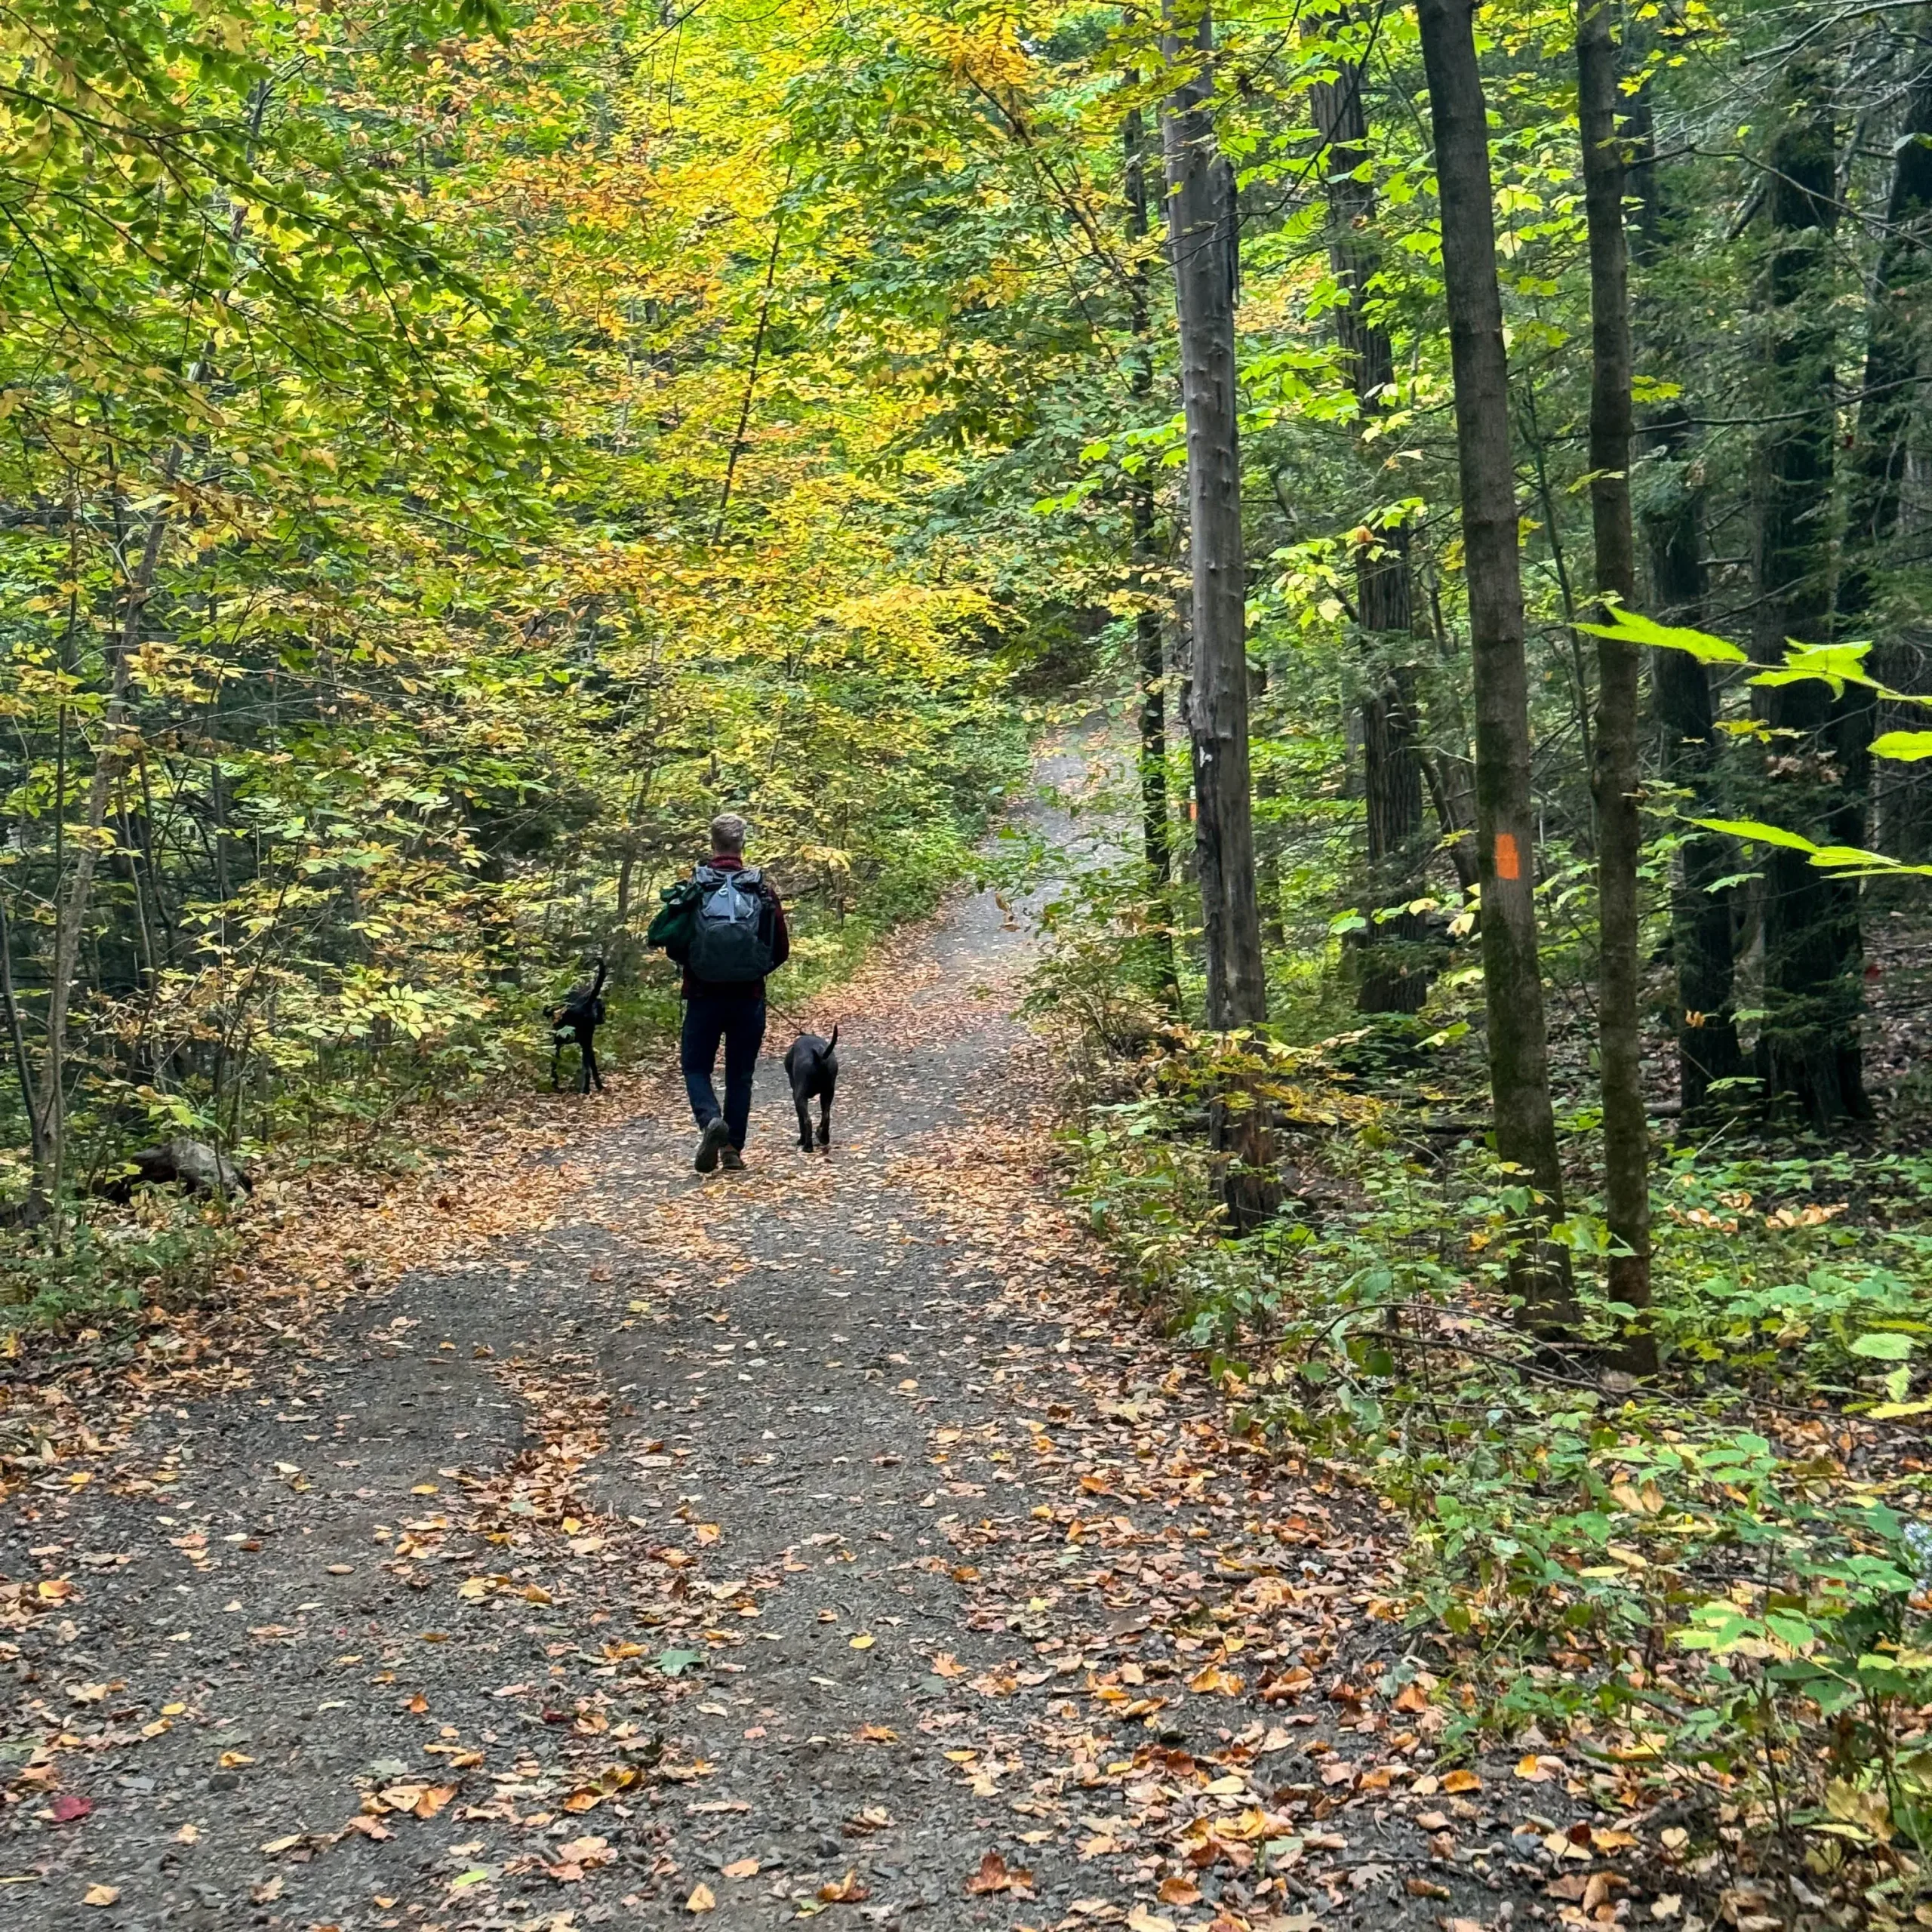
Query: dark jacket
point(781, 945)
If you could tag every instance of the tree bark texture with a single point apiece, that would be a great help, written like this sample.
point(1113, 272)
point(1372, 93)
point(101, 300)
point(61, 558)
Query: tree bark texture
point(1615, 778)
point(1898, 310)
point(1393, 974)
point(1703, 941)
point(1702, 921)
point(1201, 236)
point(1202, 241)
point(1816, 768)
point(1525, 1127)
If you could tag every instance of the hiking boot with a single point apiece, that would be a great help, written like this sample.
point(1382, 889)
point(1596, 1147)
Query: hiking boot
point(731, 1159)
point(711, 1142)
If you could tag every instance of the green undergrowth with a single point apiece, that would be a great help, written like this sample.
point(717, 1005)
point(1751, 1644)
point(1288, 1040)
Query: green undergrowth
point(111, 1272)
point(1715, 1585)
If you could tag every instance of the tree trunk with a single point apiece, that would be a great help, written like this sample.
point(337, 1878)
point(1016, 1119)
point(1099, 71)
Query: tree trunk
point(1150, 659)
point(1703, 944)
point(1201, 235)
point(1525, 1126)
point(1896, 314)
point(1626, 1149)
point(1815, 770)
point(1393, 976)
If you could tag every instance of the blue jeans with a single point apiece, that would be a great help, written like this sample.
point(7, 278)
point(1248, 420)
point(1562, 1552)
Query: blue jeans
point(739, 1024)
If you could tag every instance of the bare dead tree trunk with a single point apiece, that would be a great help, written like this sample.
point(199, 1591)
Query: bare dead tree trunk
point(1525, 1126)
point(1626, 1147)
point(1201, 234)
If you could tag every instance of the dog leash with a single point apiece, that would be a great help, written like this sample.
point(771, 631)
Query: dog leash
point(785, 1014)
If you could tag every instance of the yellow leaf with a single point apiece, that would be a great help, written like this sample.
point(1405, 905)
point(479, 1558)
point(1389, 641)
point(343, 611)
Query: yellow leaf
point(864, 1641)
point(100, 1895)
point(703, 1899)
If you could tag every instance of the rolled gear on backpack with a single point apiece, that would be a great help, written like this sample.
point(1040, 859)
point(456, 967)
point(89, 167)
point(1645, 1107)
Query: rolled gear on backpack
point(672, 929)
point(734, 931)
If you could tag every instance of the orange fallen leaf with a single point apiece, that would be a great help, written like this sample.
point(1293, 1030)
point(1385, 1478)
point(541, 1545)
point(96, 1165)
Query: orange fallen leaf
point(946, 1664)
point(433, 1800)
point(878, 1733)
point(992, 1875)
point(851, 1890)
point(741, 1868)
point(1179, 1891)
point(1462, 1780)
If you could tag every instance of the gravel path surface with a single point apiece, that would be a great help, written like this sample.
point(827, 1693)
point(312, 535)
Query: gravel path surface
point(824, 1538)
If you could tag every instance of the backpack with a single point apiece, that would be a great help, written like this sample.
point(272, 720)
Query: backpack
point(732, 933)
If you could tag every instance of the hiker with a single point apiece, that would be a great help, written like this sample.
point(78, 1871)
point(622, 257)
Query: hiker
point(725, 927)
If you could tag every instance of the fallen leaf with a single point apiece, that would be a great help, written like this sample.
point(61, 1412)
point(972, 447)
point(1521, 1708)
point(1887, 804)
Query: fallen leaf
point(992, 1875)
point(1462, 1780)
point(878, 1733)
point(433, 1800)
point(70, 1806)
point(1141, 1920)
point(851, 1890)
point(1179, 1891)
point(864, 1640)
point(703, 1899)
point(741, 1868)
point(268, 1893)
point(946, 1664)
point(100, 1895)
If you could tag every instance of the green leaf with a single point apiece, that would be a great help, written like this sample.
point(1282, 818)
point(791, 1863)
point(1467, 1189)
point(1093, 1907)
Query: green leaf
point(1765, 834)
point(1907, 746)
point(1835, 664)
point(1633, 627)
point(1883, 1345)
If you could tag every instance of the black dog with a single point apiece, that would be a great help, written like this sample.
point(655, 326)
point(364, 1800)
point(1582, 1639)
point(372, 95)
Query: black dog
point(577, 1018)
point(811, 1065)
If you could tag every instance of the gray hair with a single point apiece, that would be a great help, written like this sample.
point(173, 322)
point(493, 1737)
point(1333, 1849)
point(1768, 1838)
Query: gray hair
point(728, 833)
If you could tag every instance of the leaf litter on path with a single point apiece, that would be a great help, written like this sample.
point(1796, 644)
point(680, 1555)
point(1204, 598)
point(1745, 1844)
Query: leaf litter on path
point(833, 1536)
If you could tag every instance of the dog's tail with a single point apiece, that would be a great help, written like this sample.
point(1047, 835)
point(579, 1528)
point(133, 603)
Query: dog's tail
point(834, 1041)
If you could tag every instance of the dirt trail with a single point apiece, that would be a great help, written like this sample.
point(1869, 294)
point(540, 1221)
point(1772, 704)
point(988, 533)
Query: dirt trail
point(824, 1538)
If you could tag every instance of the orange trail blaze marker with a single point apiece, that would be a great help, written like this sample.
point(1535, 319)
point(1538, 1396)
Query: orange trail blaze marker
point(1507, 864)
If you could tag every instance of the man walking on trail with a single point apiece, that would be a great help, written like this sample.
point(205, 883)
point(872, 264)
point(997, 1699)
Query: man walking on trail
point(736, 935)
